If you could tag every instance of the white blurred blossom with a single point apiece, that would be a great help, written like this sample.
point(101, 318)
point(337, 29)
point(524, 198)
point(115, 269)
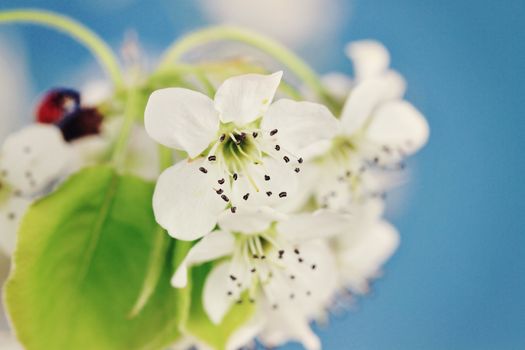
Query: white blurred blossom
point(293, 22)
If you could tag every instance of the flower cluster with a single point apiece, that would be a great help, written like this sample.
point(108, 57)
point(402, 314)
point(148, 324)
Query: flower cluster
point(268, 198)
point(284, 198)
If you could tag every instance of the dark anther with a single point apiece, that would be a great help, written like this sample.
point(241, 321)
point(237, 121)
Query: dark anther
point(225, 198)
point(230, 293)
point(277, 147)
point(233, 278)
point(292, 296)
point(275, 306)
point(282, 194)
point(212, 158)
point(376, 160)
point(219, 191)
point(286, 159)
point(255, 256)
point(269, 193)
point(292, 277)
point(300, 260)
point(297, 170)
point(300, 160)
point(245, 197)
point(296, 251)
point(267, 178)
point(235, 176)
point(221, 181)
point(222, 138)
point(254, 134)
point(239, 301)
point(253, 270)
point(203, 170)
point(273, 132)
point(314, 266)
point(233, 209)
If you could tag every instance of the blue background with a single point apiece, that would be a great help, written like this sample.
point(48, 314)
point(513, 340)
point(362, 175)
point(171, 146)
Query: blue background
point(458, 279)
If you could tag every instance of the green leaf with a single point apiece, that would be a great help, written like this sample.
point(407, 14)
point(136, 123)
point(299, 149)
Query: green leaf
point(80, 264)
point(199, 325)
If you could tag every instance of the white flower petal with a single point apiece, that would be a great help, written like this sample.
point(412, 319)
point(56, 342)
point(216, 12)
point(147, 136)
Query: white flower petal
point(181, 119)
point(307, 226)
point(286, 325)
point(12, 210)
point(215, 297)
point(244, 98)
point(213, 246)
point(363, 252)
point(34, 158)
point(399, 125)
point(299, 124)
point(337, 84)
point(396, 84)
point(282, 179)
point(248, 219)
point(184, 201)
point(361, 102)
point(369, 57)
point(9, 342)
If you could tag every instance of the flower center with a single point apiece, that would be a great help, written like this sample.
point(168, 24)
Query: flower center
point(279, 268)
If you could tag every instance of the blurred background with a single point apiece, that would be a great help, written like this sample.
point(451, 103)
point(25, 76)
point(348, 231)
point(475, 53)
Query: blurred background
point(458, 279)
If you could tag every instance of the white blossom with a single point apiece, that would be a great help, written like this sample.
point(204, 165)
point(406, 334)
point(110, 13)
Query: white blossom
point(378, 130)
point(279, 262)
point(365, 246)
point(243, 149)
point(32, 161)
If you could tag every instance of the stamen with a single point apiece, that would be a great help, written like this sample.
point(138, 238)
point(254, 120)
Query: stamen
point(300, 160)
point(222, 138)
point(273, 132)
point(277, 147)
point(286, 159)
point(233, 209)
point(254, 134)
point(297, 170)
point(212, 158)
point(282, 194)
point(269, 193)
point(266, 177)
point(225, 198)
point(221, 182)
point(219, 191)
point(203, 170)
point(245, 197)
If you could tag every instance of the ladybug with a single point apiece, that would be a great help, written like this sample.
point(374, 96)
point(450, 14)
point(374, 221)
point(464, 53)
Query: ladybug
point(61, 107)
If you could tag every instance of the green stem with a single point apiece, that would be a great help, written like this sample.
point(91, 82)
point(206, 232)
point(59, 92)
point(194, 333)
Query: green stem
point(272, 48)
point(83, 35)
point(119, 151)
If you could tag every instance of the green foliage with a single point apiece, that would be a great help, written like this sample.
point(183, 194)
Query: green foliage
point(79, 266)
